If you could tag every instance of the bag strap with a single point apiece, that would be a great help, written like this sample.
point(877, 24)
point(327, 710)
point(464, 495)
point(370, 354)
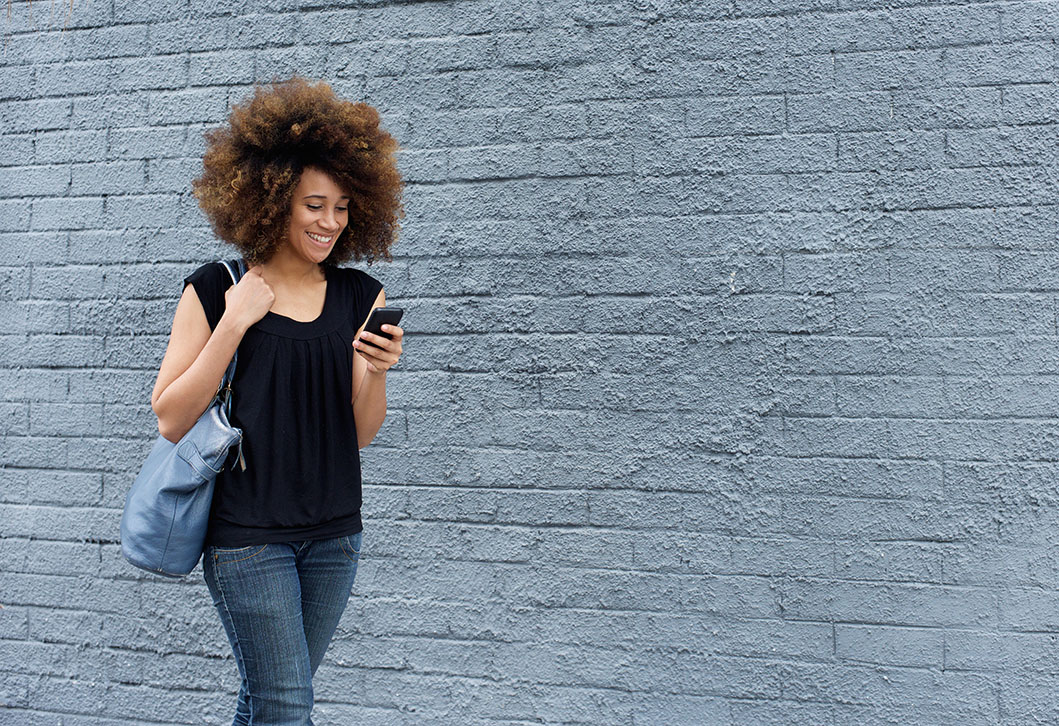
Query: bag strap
point(224, 391)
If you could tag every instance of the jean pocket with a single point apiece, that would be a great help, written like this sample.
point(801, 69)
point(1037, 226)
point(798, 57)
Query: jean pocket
point(351, 545)
point(224, 555)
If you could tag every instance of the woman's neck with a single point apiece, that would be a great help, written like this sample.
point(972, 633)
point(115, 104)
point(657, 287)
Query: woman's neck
point(288, 270)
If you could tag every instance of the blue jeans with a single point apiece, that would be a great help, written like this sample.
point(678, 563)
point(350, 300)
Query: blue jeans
point(280, 604)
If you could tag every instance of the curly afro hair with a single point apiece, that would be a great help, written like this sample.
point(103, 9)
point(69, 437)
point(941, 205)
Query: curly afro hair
point(252, 165)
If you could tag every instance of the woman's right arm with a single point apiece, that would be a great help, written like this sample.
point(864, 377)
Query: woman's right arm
point(195, 359)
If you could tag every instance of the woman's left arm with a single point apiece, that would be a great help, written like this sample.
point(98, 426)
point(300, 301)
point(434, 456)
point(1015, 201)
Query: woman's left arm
point(369, 376)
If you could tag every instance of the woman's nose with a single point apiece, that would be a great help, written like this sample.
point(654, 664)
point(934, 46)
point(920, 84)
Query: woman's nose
point(329, 222)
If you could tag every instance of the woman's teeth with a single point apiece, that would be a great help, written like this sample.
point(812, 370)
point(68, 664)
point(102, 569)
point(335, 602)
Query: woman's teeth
point(317, 238)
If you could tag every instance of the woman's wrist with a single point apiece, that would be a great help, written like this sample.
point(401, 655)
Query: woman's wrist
point(229, 324)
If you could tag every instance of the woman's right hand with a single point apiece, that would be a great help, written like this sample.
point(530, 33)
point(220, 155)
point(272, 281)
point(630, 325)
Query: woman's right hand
point(248, 300)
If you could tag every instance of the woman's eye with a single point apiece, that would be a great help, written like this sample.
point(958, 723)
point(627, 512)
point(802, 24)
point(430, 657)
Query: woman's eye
point(313, 206)
point(341, 209)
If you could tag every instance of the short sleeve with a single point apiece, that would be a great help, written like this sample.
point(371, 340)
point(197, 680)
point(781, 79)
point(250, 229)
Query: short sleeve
point(210, 281)
point(365, 289)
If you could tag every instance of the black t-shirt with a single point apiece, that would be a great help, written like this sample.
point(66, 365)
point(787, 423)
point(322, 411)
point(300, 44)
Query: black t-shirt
point(292, 394)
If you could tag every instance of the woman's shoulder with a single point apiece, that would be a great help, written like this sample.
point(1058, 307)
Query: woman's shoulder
point(211, 274)
point(210, 280)
point(359, 279)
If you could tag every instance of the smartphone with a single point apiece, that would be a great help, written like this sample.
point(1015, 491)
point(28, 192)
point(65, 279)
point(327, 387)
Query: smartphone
point(380, 317)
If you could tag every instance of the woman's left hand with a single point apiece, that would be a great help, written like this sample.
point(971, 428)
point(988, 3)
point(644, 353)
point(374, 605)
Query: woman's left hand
point(380, 359)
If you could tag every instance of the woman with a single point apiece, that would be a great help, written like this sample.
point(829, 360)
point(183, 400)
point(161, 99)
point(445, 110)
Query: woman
point(298, 181)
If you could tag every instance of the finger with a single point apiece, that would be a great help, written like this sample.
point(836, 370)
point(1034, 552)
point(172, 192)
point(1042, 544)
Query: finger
point(377, 358)
point(379, 340)
point(364, 346)
point(393, 330)
point(371, 354)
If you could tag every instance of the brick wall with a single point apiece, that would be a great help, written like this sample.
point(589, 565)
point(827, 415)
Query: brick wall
point(730, 378)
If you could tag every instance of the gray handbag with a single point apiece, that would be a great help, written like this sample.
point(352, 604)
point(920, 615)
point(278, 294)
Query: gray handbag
point(163, 526)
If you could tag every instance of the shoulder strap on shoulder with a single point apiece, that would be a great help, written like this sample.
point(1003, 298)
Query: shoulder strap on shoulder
point(238, 272)
point(224, 391)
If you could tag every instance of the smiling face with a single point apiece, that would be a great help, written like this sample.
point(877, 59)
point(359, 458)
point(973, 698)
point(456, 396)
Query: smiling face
point(319, 213)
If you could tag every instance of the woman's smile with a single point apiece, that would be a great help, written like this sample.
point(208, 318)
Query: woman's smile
point(322, 240)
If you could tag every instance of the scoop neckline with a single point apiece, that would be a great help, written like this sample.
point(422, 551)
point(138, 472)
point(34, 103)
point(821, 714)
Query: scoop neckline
point(323, 310)
point(324, 323)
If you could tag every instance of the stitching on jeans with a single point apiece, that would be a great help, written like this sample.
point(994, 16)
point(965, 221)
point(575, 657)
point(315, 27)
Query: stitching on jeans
point(347, 541)
point(236, 646)
point(232, 550)
point(226, 562)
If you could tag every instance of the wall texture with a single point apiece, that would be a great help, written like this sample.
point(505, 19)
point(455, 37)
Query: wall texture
point(731, 374)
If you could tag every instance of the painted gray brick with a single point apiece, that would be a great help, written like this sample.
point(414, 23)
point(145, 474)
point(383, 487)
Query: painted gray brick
point(48, 486)
point(240, 7)
point(207, 105)
point(34, 317)
point(67, 282)
point(56, 213)
point(723, 116)
point(741, 155)
point(781, 7)
point(270, 63)
point(35, 115)
point(143, 210)
point(119, 110)
point(442, 55)
point(102, 246)
point(1029, 22)
point(115, 177)
point(1030, 103)
point(178, 36)
point(718, 39)
point(979, 270)
point(839, 111)
point(781, 557)
point(26, 181)
point(53, 147)
point(152, 10)
point(991, 147)
point(154, 72)
point(357, 57)
point(951, 107)
point(108, 42)
point(73, 79)
point(726, 395)
point(994, 65)
point(893, 29)
point(220, 68)
point(891, 396)
point(1025, 698)
point(78, 419)
point(885, 151)
point(498, 162)
point(146, 143)
point(876, 603)
point(262, 30)
point(17, 82)
point(870, 561)
point(44, 46)
point(16, 149)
